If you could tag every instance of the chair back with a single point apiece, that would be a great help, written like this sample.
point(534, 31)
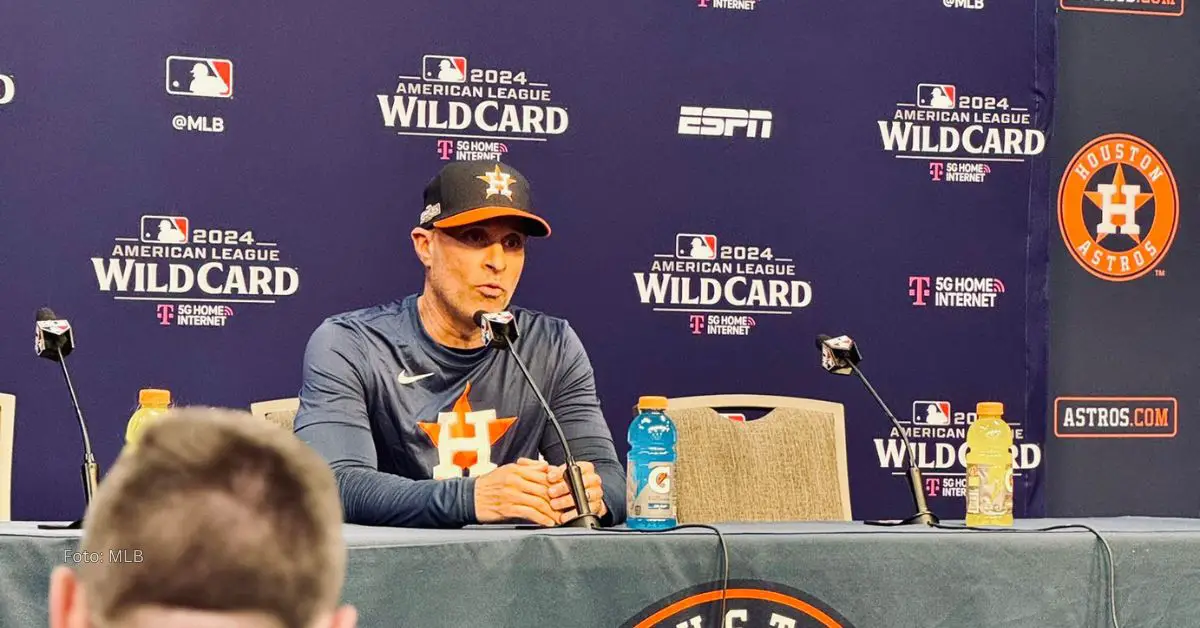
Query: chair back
point(8, 413)
point(281, 412)
point(789, 465)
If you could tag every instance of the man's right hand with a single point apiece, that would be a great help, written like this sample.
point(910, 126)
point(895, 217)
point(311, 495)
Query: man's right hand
point(516, 491)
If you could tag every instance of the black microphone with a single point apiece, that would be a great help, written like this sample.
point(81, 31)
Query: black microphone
point(53, 340)
point(841, 356)
point(499, 332)
point(837, 354)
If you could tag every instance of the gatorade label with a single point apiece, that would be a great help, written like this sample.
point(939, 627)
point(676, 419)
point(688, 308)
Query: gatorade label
point(651, 493)
point(1008, 490)
point(989, 489)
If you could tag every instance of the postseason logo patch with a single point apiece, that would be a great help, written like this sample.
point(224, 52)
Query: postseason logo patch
point(1165, 8)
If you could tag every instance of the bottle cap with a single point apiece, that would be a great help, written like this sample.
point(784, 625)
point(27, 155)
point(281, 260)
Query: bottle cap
point(154, 398)
point(652, 403)
point(990, 408)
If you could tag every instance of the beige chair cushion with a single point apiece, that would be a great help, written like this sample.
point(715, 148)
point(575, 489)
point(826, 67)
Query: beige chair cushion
point(8, 412)
point(782, 467)
point(285, 419)
point(281, 412)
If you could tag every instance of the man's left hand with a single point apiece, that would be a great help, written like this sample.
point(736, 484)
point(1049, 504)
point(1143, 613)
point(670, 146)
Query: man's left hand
point(560, 492)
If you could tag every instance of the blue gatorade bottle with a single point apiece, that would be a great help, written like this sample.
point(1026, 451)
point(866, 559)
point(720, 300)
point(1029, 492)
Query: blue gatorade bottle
point(649, 495)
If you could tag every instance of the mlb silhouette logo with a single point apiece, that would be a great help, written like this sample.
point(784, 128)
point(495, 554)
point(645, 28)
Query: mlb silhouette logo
point(199, 76)
point(931, 413)
point(444, 69)
point(695, 246)
point(936, 96)
point(164, 229)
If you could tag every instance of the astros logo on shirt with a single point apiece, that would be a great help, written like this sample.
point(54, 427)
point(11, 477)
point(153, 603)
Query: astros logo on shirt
point(464, 439)
point(1118, 207)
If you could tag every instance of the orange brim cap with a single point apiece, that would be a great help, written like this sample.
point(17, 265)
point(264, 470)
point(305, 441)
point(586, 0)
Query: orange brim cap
point(537, 227)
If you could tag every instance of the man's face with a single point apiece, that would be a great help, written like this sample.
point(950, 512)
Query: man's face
point(473, 267)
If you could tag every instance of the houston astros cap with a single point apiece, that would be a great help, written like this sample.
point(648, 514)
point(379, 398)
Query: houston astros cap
point(466, 192)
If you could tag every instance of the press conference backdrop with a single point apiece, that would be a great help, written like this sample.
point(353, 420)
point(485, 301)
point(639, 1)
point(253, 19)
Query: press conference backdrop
point(197, 186)
point(1124, 262)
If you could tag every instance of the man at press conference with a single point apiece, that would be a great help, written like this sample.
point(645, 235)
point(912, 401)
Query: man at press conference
point(424, 425)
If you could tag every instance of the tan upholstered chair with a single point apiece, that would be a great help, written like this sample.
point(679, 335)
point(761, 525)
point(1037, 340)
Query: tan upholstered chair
point(789, 465)
point(281, 412)
point(8, 413)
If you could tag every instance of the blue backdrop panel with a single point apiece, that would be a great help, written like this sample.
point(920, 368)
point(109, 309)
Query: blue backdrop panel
point(198, 187)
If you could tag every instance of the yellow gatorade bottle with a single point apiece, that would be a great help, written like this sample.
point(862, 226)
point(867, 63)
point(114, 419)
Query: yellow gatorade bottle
point(152, 403)
point(989, 467)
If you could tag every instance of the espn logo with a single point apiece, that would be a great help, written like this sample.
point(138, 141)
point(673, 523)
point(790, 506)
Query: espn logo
point(199, 76)
point(1116, 417)
point(722, 122)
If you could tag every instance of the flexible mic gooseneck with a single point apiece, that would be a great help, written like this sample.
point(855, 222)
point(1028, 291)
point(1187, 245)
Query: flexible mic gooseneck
point(499, 331)
point(840, 355)
point(54, 340)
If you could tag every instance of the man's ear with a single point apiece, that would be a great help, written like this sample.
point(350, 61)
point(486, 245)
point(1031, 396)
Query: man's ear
point(68, 604)
point(422, 240)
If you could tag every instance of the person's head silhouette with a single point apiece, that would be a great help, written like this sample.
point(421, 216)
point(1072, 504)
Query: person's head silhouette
point(232, 521)
point(199, 70)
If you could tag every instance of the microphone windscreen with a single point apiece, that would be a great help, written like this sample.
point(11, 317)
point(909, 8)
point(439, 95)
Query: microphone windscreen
point(46, 314)
point(478, 317)
point(821, 338)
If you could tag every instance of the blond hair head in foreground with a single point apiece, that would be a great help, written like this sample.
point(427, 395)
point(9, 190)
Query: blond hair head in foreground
point(218, 519)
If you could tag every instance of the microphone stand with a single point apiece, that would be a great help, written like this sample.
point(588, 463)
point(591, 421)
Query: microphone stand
point(574, 474)
point(89, 470)
point(915, 484)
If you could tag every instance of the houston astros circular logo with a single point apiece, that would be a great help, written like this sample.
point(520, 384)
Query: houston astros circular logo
point(747, 603)
point(1118, 207)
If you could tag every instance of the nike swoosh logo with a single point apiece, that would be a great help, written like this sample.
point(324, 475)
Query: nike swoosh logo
point(405, 378)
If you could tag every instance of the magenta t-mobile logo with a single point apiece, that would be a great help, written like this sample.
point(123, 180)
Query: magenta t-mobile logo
point(445, 149)
point(936, 169)
point(702, 4)
point(696, 322)
point(918, 289)
point(165, 314)
point(932, 485)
